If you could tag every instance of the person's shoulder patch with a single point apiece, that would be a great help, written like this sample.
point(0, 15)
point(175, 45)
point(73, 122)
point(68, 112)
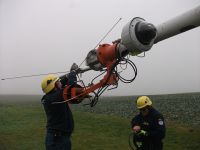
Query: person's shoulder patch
point(160, 122)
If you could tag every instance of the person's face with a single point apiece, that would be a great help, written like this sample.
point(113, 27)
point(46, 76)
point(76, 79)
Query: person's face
point(58, 84)
point(144, 111)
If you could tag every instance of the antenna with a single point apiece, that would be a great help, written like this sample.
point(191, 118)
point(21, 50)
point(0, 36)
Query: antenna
point(104, 36)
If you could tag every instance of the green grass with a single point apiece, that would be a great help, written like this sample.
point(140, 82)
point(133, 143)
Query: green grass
point(22, 127)
point(100, 132)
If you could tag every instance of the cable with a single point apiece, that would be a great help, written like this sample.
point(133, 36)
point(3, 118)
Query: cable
point(101, 90)
point(134, 69)
point(94, 101)
point(98, 94)
point(97, 77)
point(28, 76)
point(125, 63)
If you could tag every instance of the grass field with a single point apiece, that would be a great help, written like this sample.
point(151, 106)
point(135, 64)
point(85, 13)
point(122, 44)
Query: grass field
point(23, 121)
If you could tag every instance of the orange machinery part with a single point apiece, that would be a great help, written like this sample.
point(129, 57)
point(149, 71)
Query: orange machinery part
point(107, 56)
point(77, 94)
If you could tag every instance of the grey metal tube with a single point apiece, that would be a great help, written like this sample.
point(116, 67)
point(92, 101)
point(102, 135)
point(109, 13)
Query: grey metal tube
point(179, 24)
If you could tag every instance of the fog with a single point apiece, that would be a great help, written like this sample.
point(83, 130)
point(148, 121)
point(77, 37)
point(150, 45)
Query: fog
point(45, 36)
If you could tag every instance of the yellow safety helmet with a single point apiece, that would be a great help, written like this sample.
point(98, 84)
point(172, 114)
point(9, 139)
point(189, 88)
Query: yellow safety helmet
point(143, 101)
point(48, 83)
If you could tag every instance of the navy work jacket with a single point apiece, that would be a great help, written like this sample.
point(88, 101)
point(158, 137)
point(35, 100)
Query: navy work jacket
point(59, 116)
point(154, 124)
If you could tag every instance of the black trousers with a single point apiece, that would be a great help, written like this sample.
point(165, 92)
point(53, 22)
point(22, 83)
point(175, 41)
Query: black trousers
point(144, 144)
point(57, 141)
point(150, 146)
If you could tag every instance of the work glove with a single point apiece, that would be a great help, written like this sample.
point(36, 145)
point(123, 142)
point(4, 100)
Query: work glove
point(70, 78)
point(63, 80)
point(74, 68)
point(142, 133)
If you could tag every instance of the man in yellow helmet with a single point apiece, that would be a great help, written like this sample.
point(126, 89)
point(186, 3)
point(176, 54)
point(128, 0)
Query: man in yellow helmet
point(148, 126)
point(60, 122)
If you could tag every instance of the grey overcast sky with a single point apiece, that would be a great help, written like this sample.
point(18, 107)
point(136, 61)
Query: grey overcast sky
point(42, 36)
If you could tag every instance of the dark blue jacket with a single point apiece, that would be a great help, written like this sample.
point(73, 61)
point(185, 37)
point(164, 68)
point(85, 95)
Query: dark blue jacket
point(59, 116)
point(154, 124)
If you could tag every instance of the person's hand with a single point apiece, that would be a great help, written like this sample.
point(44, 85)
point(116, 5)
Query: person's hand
point(74, 67)
point(136, 129)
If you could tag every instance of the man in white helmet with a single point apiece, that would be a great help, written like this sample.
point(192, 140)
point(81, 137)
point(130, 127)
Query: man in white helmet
point(148, 126)
point(60, 122)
